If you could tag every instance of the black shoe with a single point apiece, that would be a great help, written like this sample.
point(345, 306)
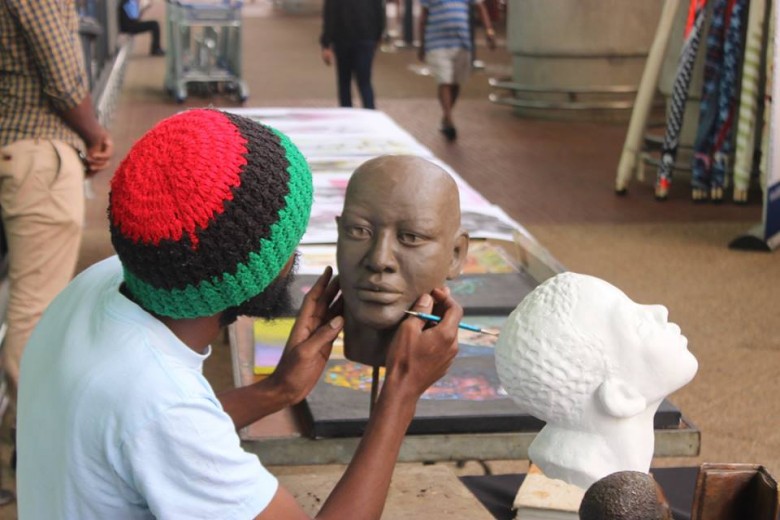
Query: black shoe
point(449, 133)
point(157, 52)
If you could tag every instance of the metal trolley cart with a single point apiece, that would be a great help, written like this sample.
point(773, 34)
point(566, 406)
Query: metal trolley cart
point(204, 47)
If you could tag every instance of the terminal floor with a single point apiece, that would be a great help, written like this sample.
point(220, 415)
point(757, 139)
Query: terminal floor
point(554, 177)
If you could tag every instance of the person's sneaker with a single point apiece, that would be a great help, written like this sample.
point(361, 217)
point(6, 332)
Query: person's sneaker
point(157, 52)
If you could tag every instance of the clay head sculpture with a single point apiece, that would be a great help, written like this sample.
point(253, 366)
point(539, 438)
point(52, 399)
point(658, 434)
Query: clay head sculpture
point(582, 356)
point(399, 237)
point(625, 495)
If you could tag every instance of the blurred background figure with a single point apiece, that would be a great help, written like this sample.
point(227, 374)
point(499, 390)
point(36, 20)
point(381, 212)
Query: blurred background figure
point(446, 46)
point(351, 32)
point(130, 12)
point(50, 139)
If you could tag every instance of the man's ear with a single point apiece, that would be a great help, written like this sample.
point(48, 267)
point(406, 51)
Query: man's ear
point(620, 399)
point(459, 252)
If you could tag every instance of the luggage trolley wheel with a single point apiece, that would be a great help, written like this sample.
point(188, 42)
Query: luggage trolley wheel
point(243, 91)
point(180, 93)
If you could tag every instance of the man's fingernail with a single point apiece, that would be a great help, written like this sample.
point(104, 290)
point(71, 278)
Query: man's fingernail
point(336, 322)
point(425, 300)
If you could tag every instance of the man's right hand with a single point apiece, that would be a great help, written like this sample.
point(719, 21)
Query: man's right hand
point(420, 354)
point(99, 153)
point(327, 56)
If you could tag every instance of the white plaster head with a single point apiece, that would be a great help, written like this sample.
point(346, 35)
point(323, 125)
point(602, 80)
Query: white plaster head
point(582, 356)
point(577, 338)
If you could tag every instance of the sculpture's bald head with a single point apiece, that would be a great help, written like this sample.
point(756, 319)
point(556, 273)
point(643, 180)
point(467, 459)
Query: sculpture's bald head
point(625, 495)
point(399, 237)
point(413, 181)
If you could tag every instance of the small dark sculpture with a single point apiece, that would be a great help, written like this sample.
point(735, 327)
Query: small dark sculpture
point(625, 495)
point(399, 238)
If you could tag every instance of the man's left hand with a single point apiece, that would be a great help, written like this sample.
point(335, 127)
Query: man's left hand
point(318, 324)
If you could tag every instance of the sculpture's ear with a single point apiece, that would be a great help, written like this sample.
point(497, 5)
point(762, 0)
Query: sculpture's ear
point(459, 252)
point(620, 399)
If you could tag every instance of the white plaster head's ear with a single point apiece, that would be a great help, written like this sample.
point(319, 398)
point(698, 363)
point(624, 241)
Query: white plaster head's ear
point(620, 398)
point(594, 365)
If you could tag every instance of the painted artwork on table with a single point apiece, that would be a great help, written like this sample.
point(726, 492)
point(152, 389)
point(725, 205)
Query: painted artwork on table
point(469, 399)
point(270, 338)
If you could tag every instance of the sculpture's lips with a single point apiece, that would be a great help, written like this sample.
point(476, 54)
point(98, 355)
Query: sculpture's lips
point(378, 293)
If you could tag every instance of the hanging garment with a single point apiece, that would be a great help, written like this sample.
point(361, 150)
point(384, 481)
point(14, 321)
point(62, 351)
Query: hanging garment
point(682, 81)
point(766, 131)
point(714, 141)
point(748, 147)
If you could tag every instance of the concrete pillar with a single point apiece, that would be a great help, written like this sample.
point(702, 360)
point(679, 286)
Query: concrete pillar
point(563, 44)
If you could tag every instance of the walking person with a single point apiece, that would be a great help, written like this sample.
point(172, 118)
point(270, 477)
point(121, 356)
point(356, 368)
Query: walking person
point(351, 32)
point(446, 47)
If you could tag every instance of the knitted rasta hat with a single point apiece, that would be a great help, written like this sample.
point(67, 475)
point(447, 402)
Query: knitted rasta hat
point(206, 210)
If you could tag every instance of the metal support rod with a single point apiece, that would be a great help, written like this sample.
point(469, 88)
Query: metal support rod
point(645, 95)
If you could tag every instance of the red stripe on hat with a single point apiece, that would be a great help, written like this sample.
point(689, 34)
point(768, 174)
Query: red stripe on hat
point(152, 190)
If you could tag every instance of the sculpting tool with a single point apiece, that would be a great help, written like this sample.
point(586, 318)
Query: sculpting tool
point(461, 325)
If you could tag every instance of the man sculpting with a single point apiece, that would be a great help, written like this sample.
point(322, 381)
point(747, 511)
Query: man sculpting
point(580, 355)
point(115, 417)
point(399, 237)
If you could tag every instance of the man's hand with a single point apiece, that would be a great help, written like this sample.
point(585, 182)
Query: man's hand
point(491, 39)
point(421, 53)
point(420, 354)
point(318, 324)
point(327, 55)
point(99, 153)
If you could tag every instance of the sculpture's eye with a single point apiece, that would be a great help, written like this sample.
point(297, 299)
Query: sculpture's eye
point(410, 239)
point(358, 232)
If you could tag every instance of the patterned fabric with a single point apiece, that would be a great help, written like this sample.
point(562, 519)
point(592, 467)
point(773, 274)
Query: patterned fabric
point(766, 129)
point(682, 83)
point(41, 69)
point(195, 182)
point(721, 71)
point(747, 147)
point(448, 24)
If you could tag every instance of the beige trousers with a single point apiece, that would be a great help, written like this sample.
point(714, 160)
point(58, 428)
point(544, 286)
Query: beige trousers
point(42, 200)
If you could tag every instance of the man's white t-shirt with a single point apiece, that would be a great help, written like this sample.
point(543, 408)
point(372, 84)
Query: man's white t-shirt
point(116, 421)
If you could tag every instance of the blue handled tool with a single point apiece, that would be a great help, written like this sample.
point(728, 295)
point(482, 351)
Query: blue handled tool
point(461, 325)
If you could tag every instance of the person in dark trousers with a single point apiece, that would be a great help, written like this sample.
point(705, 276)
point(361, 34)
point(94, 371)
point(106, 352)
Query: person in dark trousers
point(130, 22)
point(351, 31)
